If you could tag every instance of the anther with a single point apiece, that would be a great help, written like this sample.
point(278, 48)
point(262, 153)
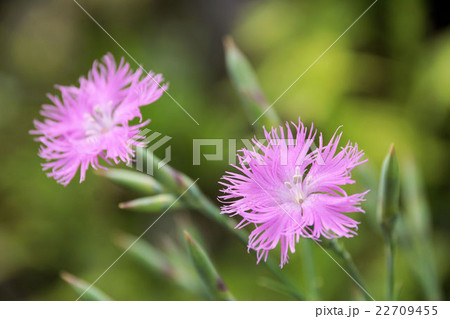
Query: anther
point(288, 185)
point(297, 177)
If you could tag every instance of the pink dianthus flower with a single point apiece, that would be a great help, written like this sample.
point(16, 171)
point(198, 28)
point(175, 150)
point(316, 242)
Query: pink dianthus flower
point(90, 122)
point(288, 191)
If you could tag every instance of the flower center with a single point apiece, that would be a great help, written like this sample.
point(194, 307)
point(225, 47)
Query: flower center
point(100, 121)
point(295, 187)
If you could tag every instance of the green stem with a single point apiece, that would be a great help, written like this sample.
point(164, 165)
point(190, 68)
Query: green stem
point(310, 269)
point(212, 211)
point(389, 244)
point(349, 265)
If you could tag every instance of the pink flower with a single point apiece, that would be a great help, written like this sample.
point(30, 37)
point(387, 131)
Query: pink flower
point(91, 122)
point(288, 191)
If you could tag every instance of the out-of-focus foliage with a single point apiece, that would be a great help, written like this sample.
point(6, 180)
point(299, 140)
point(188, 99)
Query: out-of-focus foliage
point(83, 289)
point(386, 81)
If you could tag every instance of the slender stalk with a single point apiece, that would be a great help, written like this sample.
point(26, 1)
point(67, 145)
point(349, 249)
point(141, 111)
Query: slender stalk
point(349, 265)
point(388, 211)
point(389, 244)
point(212, 211)
point(310, 269)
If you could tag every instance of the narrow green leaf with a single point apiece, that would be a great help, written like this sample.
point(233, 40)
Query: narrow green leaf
point(170, 179)
point(309, 269)
point(145, 254)
point(415, 231)
point(273, 285)
point(246, 83)
point(388, 209)
point(417, 210)
point(152, 204)
point(287, 282)
point(347, 262)
point(177, 182)
point(207, 271)
point(80, 286)
point(170, 263)
point(185, 274)
point(389, 191)
point(135, 181)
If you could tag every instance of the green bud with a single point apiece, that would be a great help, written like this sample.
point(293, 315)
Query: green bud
point(133, 180)
point(389, 191)
point(83, 289)
point(207, 271)
point(246, 83)
point(152, 204)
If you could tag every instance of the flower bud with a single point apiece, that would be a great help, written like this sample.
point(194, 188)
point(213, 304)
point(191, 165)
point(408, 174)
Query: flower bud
point(246, 83)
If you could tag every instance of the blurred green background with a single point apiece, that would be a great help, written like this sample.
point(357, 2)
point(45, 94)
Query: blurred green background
point(386, 80)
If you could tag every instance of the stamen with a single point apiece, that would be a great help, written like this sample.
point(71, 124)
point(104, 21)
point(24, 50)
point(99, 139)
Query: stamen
point(98, 110)
point(295, 187)
point(297, 177)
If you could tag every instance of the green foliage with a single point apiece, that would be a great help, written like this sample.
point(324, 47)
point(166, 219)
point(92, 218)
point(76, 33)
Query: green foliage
point(168, 263)
point(207, 271)
point(133, 180)
point(246, 83)
point(389, 191)
point(416, 232)
point(152, 204)
point(84, 289)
